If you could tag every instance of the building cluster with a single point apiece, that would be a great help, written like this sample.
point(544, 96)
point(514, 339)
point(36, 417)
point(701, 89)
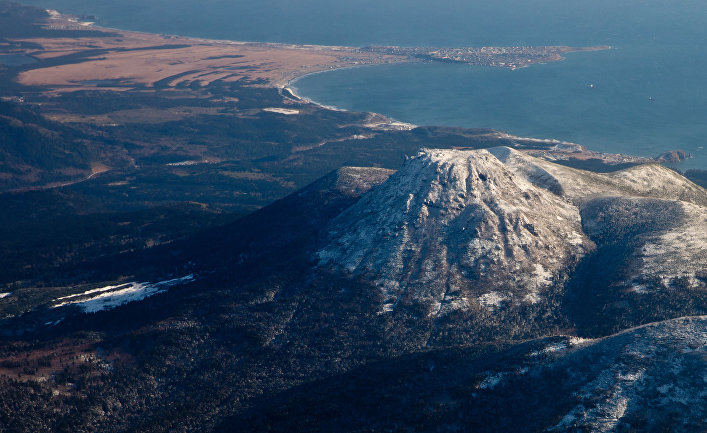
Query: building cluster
point(510, 57)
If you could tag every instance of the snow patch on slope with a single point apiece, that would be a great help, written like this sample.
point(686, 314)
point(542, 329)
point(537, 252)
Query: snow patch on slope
point(109, 297)
point(492, 300)
point(285, 111)
point(679, 253)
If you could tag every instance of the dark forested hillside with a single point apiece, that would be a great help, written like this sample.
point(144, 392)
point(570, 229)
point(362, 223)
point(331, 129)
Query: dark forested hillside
point(36, 151)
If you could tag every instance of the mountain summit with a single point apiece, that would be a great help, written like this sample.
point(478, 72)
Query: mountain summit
point(495, 227)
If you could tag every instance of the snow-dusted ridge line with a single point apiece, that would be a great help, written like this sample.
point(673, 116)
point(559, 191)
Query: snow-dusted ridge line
point(649, 369)
point(655, 365)
point(110, 297)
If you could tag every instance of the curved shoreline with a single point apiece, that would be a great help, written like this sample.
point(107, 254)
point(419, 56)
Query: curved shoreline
point(682, 164)
point(384, 122)
point(342, 57)
point(290, 87)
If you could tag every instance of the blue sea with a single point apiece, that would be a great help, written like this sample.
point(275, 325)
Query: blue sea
point(649, 92)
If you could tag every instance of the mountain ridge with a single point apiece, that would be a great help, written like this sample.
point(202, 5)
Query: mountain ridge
point(644, 378)
point(451, 219)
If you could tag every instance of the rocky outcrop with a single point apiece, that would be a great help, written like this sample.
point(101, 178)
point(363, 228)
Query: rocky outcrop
point(673, 156)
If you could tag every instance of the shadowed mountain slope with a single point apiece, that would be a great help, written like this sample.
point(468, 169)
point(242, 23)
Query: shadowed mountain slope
point(35, 150)
point(644, 379)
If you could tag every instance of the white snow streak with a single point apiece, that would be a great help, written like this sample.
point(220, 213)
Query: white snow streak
point(110, 297)
point(285, 111)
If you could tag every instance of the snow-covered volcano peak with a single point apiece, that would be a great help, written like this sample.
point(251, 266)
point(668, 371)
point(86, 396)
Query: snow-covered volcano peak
point(460, 227)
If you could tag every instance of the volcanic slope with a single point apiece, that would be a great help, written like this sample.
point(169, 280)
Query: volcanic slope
point(458, 229)
point(649, 378)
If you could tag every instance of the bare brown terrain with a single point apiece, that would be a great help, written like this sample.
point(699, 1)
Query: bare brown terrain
point(123, 60)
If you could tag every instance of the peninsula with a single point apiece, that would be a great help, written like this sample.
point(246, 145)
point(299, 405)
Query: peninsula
point(112, 59)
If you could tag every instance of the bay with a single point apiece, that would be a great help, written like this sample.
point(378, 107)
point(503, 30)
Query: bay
point(595, 99)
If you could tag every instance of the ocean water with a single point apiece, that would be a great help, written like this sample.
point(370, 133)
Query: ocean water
point(649, 95)
point(625, 113)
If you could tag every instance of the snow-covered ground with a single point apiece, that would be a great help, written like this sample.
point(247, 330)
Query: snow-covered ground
point(188, 163)
point(492, 300)
point(680, 252)
point(285, 111)
point(648, 366)
point(109, 297)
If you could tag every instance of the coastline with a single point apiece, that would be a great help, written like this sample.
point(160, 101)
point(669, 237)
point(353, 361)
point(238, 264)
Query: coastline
point(375, 120)
point(356, 56)
point(353, 58)
point(292, 89)
point(673, 158)
point(302, 99)
point(282, 79)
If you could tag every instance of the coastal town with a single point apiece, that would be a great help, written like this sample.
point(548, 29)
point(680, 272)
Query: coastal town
point(508, 57)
